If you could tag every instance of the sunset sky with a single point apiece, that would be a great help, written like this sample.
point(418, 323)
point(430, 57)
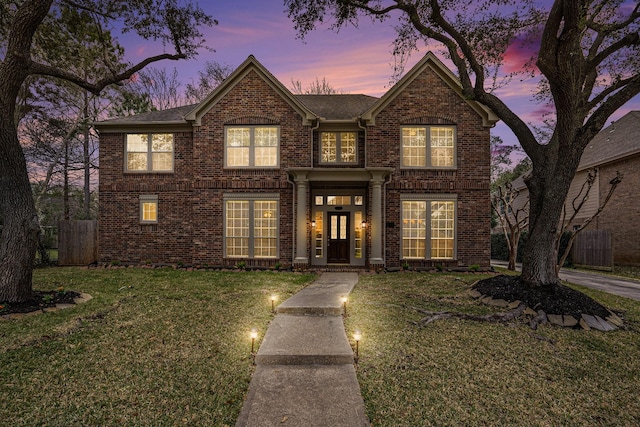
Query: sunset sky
point(352, 61)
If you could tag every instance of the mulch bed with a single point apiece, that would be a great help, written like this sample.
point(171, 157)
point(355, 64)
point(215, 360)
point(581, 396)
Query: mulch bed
point(557, 299)
point(40, 300)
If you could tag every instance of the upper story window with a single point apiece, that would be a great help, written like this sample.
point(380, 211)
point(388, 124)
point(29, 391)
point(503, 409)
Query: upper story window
point(252, 146)
point(149, 152)
point(429, 146)
point(338, 147)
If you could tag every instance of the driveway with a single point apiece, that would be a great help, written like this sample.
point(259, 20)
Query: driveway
point(624, 287)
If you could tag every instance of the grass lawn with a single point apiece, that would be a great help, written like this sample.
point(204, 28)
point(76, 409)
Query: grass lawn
point(164, 347)
point(153, 347)
point(464, 373)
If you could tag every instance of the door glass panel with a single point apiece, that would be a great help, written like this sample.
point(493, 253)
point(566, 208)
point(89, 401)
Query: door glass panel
point(318, 234)
point(358, 234)
point(334, 227)
point(343, 227)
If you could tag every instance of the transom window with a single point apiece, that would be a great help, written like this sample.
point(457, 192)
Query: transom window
point(251, 228)
point(428, 146)
point(252, 146)
point(428, 229)
point(338, 147)
point(149, 152)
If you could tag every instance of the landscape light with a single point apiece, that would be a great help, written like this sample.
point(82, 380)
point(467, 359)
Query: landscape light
point(273, 298)
point(357, 336)
point(253, 334)
point(343, 300)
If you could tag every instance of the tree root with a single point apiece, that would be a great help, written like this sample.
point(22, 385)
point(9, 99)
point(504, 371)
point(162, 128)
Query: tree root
point(432, 316)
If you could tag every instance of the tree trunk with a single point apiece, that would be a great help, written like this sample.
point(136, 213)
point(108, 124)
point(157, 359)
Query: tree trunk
point(85, 159)
point(19, 237)
point(548, 187)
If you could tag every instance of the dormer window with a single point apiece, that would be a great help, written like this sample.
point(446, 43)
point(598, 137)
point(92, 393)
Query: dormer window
point(338, 147)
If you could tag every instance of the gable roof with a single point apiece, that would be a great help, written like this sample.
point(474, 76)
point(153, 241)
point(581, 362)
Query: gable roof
point(249, 65)
point(333, 108)
point(489, 118)
point(617, 141)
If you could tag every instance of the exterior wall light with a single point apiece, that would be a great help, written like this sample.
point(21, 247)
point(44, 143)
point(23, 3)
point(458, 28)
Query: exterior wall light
point(364, 224)
point(313, 224)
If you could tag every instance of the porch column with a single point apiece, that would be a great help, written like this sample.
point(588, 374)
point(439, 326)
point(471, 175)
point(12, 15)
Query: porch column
point(376, 220)
point(301, 220)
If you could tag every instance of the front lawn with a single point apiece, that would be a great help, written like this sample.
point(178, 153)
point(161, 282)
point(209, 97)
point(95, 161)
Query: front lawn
point(153, 347)
point(164, 347)
point(465, 373)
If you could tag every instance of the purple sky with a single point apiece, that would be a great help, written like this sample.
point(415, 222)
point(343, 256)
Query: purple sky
point(352, 61)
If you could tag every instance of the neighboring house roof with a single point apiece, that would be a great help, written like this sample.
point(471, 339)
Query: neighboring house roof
point(618, 140)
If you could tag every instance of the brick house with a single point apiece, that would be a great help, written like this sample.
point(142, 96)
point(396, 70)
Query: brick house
point(258, 175)
point(615, 149)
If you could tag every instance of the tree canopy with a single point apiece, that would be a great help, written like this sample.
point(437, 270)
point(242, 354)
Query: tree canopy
point(37, 39)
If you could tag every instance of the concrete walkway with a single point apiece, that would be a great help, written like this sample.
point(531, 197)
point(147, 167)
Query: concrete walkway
point(614, 285)
point(304, 368)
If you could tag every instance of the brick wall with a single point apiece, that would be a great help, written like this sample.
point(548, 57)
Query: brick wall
point(428, 100)
point(190, 207)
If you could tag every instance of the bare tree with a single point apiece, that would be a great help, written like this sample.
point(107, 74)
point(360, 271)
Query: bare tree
point(210, 78)
point(567, 225)
point(316, 87)
point(512, 209)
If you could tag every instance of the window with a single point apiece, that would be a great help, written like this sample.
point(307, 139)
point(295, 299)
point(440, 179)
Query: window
point(148, 209)
point(428, 228)
point(152, 152)
point(430, 146)
point(252, 146)
point(251, 227)
point(338, 147)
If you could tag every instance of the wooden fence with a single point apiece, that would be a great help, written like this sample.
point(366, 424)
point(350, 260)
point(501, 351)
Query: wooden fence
point(77, 242)
point(593, 249)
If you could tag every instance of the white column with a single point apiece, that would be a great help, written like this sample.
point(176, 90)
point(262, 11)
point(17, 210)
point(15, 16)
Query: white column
point(301, 221)
point(376, 221)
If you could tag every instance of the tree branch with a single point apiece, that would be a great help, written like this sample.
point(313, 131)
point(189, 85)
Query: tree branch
point(97, 87)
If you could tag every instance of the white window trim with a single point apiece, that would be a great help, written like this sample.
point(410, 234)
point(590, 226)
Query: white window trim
point(252, 147)
point(338, 148)
point(428, 147)
point(428, 198)
point(250, 197)
point(149, 154)
point(148, 198)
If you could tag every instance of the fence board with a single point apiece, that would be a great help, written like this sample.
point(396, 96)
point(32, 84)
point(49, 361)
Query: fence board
point(77, 242)
point(593, 249)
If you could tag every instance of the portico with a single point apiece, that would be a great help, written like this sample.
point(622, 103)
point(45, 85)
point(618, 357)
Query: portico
point(339, 216)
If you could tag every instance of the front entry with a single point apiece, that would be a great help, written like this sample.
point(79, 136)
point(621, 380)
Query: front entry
point(338, 239)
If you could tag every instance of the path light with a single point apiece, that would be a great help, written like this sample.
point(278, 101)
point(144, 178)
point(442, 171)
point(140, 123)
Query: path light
point(273, 299)
point(357, 336)
point(343, 300)
point(253, 334)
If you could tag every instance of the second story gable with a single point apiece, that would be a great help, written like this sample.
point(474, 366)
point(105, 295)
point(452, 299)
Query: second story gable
point(253, 126)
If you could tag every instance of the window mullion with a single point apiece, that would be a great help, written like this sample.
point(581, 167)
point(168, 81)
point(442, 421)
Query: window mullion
point(149, 152)
point(251, 228)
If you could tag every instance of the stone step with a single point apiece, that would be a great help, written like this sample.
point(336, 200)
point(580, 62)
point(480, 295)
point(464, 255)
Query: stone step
point(305, 340)
point(322, 396)
point(321, 298)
